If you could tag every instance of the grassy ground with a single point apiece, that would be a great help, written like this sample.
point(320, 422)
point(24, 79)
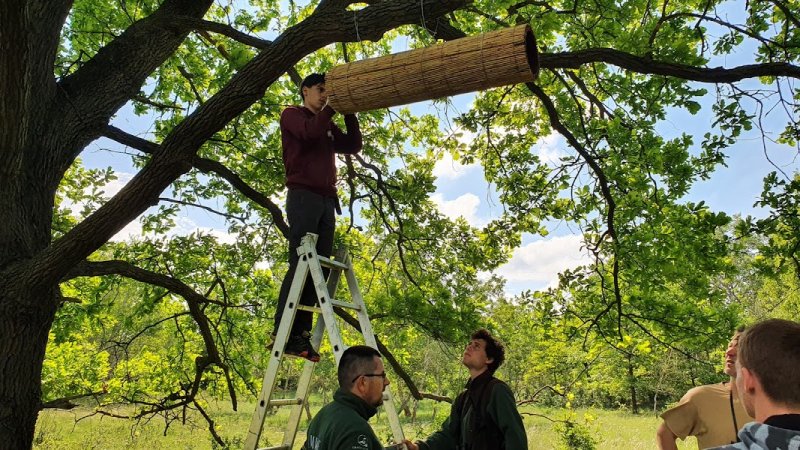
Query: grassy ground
point(74, 430)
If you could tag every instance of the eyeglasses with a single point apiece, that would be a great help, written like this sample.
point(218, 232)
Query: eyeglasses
point(382, 375)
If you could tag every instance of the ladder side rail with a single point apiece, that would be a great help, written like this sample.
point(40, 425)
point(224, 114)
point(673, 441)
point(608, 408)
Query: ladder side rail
point(268, 383)
point(324, 298)
point(304, 382)
point(342, 257)
point(369, 338)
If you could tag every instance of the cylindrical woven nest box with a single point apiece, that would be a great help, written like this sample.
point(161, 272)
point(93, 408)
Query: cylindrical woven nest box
point(469, 64)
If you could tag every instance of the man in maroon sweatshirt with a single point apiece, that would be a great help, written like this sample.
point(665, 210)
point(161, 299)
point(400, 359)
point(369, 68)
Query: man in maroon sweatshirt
point(310, 141)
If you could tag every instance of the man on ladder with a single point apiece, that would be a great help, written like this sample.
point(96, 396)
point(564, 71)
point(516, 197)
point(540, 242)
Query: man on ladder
point(310, 141)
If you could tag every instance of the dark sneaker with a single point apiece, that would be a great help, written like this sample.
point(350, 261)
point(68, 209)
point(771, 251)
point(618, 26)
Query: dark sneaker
point(272, 338)
point(300, 345)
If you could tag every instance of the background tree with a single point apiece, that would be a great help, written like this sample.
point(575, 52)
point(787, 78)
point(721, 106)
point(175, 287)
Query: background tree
point(214, 89)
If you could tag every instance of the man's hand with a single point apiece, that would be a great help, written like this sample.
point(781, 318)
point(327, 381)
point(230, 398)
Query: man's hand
point(410, 445)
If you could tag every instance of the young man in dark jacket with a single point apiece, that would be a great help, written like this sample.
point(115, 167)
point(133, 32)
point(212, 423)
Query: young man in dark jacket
point(342, 424)
point(768, 381)
point(310, 143)
point(484, 416)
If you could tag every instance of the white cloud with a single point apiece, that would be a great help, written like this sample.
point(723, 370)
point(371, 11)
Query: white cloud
point(549, 149)
point(112, 187)
point(132, 230)
point(223, 237)
point(448, 169)
point(183, 226)
point(465, 206)
point(540, 262)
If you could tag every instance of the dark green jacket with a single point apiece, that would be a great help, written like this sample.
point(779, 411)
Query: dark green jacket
point(502, 428)
point(342, 425)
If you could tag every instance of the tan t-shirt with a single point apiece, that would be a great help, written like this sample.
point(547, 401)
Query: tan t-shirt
point(705, 412)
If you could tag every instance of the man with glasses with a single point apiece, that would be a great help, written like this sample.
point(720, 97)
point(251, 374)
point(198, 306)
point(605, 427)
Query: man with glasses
point(484, 416)
point(342, 424)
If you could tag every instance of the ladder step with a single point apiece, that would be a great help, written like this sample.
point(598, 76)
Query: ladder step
point(331, 264)
point(280, 447)
point(346, 305)
point(286, 402)
point(317, 310)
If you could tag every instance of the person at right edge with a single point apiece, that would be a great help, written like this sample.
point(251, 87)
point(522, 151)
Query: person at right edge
point(768, 380)
point(310, 142)
point(712, 413)
point(484, 416)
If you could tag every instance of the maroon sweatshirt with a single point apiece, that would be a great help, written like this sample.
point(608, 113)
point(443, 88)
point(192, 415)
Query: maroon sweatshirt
point(310, 142)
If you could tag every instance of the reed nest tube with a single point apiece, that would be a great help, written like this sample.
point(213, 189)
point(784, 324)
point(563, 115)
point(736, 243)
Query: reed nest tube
point(474, 63)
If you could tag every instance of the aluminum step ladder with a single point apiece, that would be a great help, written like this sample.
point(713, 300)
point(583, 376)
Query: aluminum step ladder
point(310, 263)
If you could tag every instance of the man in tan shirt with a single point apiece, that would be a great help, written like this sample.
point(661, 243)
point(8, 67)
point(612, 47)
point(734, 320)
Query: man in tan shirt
point(712, 413)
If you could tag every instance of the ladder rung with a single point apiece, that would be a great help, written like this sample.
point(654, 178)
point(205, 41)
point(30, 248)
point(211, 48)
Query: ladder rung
point(327, 262)
point(280, 447)
point(286, 402)
point(346, 305)
point(338, 303)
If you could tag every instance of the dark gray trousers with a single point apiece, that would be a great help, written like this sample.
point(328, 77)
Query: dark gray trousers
point(306, 212)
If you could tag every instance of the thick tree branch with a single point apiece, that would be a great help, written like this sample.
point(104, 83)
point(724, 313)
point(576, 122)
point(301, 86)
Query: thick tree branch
point(93, 93)
point(639, 64)
point(187, 23)
point(66, 402)
point(127, 139)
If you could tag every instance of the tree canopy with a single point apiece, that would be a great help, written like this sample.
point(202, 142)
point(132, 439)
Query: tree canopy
point(160, 320)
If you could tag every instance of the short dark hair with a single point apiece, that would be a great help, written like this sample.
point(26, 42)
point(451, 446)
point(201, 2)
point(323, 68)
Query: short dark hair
point(494, 348)
point(771, 351)
point(311, 80)
point(356, 360)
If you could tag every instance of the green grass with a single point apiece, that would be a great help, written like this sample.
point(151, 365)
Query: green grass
point(74, 430)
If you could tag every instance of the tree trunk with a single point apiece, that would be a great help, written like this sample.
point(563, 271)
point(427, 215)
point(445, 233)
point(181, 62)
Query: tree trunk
point(23, 331)
point(632, 384)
